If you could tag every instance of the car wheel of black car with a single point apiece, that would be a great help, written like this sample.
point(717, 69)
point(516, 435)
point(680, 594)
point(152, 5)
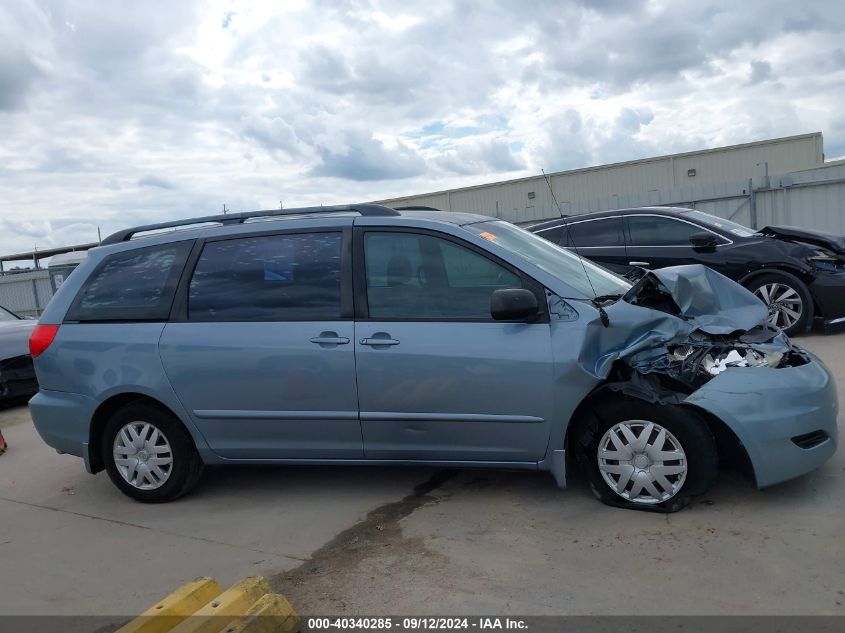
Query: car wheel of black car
point(788, 298)
point(647, 456)
point(149, 455)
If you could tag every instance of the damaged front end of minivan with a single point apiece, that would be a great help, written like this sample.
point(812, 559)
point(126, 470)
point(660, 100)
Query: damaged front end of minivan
point(714, 324)
point(688, 336)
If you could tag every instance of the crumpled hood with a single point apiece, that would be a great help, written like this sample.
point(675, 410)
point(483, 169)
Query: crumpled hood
point(712, 302)
point(633, 330)
point(835, 243)
point(696, 302)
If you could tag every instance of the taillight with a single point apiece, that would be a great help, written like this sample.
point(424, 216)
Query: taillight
point(41, 338)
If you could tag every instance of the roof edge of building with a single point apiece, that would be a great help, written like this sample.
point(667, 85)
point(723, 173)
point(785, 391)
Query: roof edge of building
point(581, 170)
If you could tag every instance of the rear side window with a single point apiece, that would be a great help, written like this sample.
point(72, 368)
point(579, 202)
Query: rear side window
point(290, 277)
point(556, 235)
point(607, 232)
point(136, 285)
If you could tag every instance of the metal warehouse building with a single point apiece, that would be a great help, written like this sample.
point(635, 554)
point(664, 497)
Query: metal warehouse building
point(777, 181)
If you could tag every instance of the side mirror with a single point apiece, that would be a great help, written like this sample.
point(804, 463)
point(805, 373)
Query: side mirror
point(511, 304)
point(704, 239)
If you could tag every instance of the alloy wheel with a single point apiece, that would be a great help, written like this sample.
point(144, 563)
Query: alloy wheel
point(142, 455)
point(784, 302)
point(642, 462)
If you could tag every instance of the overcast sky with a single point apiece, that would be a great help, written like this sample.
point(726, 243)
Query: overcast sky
point(119, 113)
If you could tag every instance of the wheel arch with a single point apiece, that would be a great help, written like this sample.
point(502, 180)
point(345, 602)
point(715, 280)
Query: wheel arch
point(803, 276)
point(105, 410)
point(729, 447)
point(580, 416)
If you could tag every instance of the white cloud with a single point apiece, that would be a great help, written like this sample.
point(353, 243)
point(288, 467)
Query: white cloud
point(120, 113)
point(761, 71)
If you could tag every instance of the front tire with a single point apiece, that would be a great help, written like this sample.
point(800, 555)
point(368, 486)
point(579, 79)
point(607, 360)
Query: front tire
point(788, 299)
point(647, 456)
point(148, 453)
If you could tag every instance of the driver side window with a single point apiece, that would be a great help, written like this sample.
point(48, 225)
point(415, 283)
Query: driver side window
point(418, 276)
point(652, 230)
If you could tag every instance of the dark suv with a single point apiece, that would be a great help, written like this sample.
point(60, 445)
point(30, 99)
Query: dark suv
point(798, 273)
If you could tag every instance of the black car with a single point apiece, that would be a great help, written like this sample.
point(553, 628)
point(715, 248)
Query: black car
point(17, 375)
point(799, 273)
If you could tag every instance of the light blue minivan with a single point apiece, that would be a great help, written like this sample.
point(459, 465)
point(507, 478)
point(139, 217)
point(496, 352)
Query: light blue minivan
point(367, 335)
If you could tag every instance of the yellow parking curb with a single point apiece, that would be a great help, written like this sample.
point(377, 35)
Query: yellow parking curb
point(201, 606)
point(169, 612)
point(272, 613)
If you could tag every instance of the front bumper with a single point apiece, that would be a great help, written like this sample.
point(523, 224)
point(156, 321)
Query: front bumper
point(828, 290)
point(63, 420)
point(768, 407)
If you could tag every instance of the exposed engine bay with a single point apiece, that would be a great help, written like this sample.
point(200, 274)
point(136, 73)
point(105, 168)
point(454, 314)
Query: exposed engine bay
point(713, 357)
point(704, 324)
point(703, 356)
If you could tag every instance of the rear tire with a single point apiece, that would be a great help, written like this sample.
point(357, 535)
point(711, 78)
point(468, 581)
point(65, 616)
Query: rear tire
point(788, 299)
point(148, 453)
point(643, 456)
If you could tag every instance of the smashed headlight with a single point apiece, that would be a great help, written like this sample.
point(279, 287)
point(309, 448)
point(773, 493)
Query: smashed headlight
point(697, 325)
point(827, 261)
point(702, 356)
point(714, 361)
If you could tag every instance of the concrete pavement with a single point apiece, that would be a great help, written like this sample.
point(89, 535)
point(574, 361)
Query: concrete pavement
point(71, 543)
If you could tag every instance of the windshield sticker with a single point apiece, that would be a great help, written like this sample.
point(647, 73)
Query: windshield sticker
point(488, 236)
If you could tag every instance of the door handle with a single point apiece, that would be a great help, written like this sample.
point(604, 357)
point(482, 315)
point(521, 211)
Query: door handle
point(376, 341)
point(329, 338)
point(642, 264)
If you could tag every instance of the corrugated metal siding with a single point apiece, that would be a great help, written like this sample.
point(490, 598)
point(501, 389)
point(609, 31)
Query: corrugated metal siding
point(27, 293)
point(436, 201)
point(719, 173)
point(728, 165)
point(814, 199)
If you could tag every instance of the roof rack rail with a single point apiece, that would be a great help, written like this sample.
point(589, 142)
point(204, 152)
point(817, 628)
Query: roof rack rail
point(416, 208)
point(239, 218)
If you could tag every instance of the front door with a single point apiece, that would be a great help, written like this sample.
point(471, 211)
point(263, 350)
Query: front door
point(656, 241)
point(263, 358)
point(438, 378)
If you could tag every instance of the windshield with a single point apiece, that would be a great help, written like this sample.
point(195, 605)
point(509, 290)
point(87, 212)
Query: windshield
point(553, 259)
point(5, 315)
point(720, 223)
